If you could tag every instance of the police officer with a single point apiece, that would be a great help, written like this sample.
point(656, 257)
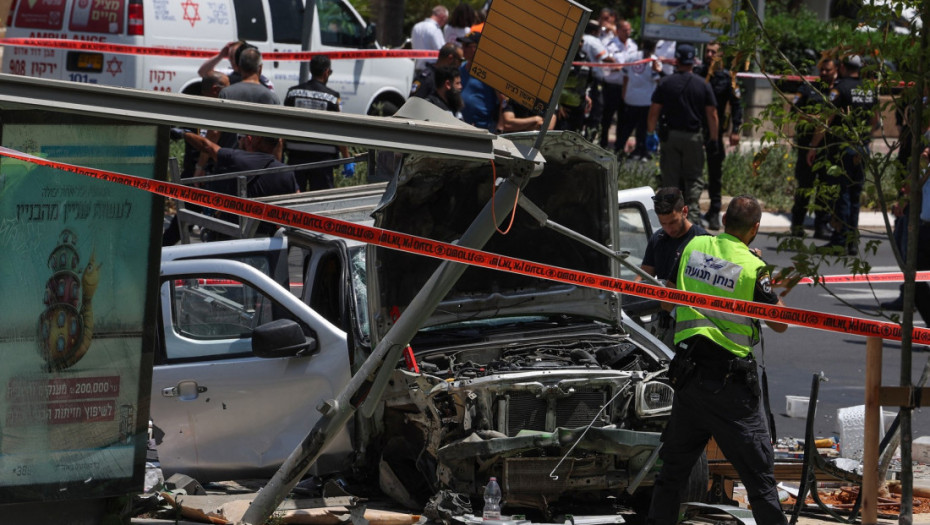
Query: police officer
point(664, 249)
point(809, 100)
point(714, 374)
point(424, 81)
point(855, 107)
point(727, 93)
point(314, 94)
point(687, 105)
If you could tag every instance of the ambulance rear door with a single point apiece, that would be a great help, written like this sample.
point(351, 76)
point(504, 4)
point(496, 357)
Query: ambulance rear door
point(103, 21)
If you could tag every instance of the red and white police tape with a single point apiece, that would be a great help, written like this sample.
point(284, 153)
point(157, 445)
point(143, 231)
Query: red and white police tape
point(451, 252)
point(182, 52)
point(359, 54)
point(887, 277)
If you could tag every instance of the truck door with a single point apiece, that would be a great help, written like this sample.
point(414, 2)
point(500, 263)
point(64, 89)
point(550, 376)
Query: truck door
point(216, 407)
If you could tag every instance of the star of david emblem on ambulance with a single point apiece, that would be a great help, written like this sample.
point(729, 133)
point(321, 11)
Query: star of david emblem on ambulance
point(192, 15)
point(114, 66)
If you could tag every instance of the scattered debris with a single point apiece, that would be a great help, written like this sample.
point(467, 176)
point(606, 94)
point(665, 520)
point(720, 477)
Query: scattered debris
point(470, 519)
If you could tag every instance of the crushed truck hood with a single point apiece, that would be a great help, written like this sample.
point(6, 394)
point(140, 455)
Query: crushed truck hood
point(438, 198)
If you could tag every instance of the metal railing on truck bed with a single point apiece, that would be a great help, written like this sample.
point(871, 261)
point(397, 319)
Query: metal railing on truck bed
point(350, 203)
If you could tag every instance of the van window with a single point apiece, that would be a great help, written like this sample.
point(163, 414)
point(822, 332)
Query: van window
point(94, 16)
point(40, 15)
point(250, 21)
point(339, 25)
point(287, 20)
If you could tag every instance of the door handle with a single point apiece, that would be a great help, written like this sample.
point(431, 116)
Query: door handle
point(184, 390)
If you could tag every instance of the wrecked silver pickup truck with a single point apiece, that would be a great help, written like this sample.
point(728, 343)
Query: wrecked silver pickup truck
point(550, 387)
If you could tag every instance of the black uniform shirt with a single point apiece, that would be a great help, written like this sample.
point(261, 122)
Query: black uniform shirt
point(684, 97)
point(808, 99)
point(313, 94)
point(424, 81)
point(662, 251)
point(726, 92)
point(850, 97)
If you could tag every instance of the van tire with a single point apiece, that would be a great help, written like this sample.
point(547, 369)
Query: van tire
point(192, 89)
point(383, 108)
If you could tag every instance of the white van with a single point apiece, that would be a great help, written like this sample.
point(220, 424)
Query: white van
point(374, 86)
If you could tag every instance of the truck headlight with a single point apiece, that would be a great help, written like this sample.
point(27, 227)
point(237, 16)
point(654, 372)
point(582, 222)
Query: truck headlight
point(653, 399)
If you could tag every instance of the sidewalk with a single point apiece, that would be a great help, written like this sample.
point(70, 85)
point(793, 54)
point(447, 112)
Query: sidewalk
point(781, 222)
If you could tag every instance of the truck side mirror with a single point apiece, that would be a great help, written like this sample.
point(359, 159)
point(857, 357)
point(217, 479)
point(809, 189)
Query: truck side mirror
point(281, 338)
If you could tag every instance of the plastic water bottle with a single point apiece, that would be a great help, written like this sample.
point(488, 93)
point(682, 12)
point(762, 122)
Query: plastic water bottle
point(492, 500)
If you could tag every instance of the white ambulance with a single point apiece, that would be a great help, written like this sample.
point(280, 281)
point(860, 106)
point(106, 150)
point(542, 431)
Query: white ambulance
point(373, 86)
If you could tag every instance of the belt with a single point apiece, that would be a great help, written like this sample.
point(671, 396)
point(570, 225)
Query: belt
point(705, 351)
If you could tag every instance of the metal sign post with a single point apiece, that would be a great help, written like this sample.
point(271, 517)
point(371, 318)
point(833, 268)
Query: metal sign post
point(526, 51)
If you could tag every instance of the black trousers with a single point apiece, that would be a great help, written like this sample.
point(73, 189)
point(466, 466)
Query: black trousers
point(715, 177)
point(921, 288)
point(613, 108)
point(708, 406)
point(313, 178)
point(807, 178)
point(634, 118)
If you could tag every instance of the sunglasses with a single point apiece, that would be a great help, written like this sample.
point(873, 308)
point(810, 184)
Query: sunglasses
point(670, 198)
point(665, 203)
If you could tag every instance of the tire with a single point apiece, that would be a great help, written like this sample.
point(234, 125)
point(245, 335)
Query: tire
point(383, 108)
point(193, 89)
point(696, 490)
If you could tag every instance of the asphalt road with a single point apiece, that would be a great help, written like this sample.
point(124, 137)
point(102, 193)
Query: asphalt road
point(792, 358)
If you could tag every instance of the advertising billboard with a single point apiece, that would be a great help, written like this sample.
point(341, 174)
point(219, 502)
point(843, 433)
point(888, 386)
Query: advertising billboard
point(77, 298)
point(693, 21)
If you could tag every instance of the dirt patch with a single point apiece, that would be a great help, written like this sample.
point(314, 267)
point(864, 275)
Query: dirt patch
point(843, 498)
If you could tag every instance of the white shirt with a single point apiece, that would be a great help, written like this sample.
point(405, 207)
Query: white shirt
point(640, 80)
point(426, 35)
point(595, 51)
point(666, 49)
point(453, 33)
point(620, 52)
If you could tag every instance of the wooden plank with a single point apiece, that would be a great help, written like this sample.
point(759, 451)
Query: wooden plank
point(901, 396)
point(873, 383)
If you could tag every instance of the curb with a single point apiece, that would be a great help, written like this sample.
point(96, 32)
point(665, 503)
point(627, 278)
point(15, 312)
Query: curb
point(781, 222)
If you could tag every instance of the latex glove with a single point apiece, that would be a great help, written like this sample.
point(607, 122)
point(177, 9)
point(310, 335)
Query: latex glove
point(652, 142)
point(348, 170)
point(713, 147)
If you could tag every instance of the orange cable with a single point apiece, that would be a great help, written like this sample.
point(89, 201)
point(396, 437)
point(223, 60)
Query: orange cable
point(493, 193)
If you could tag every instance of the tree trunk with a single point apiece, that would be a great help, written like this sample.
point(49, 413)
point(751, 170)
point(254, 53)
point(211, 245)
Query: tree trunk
point(389, 15)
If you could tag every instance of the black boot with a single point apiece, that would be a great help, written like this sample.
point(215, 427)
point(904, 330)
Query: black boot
point(897, 304)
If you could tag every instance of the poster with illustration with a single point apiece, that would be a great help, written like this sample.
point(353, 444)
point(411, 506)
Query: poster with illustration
point(693, 21)
point(76, 284)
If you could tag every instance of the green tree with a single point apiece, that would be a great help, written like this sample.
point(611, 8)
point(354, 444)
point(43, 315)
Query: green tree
point(896, 65)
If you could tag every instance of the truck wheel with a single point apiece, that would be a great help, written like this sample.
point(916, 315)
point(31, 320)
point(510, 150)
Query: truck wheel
point(383, 108)
point(399, 476)
point(696, 490)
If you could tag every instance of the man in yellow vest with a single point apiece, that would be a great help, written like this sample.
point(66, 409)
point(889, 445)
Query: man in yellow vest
point(716, 382)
